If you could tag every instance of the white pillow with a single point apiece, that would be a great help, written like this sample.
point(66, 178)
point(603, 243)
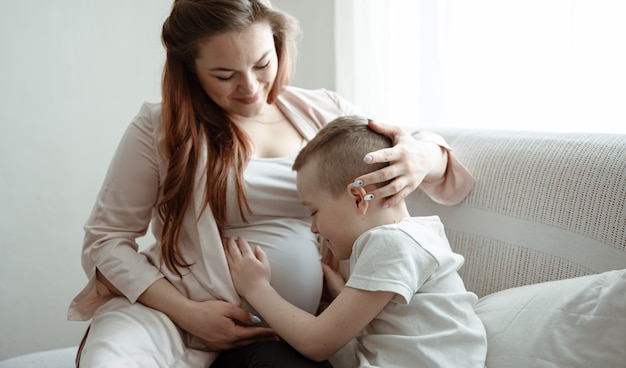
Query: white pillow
point(579, 322)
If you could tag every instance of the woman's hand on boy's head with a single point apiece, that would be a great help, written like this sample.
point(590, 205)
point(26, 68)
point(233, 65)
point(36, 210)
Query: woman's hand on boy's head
point(409, 163)
point(248, 269)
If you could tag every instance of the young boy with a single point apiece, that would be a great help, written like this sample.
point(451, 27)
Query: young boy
point(404, 303)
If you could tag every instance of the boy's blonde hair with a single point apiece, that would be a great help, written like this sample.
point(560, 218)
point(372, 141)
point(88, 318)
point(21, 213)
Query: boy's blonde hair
point(338, 150)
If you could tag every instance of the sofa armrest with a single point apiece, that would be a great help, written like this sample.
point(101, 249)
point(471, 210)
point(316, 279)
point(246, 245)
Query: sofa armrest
point(546, 206)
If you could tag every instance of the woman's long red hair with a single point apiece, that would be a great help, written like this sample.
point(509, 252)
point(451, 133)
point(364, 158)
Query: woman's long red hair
point(191, 119)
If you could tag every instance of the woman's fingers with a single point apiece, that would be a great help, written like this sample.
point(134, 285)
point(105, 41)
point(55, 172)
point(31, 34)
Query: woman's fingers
point(410, 163)
point(383, 155)
point(401, 180)
point(391, 131)
point(244, 317)
point(222, 325)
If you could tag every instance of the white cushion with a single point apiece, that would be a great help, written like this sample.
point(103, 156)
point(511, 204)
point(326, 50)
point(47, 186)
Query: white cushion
point(578, 322)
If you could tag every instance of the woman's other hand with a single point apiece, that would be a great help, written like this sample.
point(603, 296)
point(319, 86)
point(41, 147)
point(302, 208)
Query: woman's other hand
point(221, 325)
point(218, 324)
point(410, 163)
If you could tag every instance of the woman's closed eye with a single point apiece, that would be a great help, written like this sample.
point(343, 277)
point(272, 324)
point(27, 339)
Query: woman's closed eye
point(264, 65)
point(223, 78)
point(227, 78)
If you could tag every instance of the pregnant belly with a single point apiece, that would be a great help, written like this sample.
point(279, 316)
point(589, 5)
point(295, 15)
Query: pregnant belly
point(292, 251)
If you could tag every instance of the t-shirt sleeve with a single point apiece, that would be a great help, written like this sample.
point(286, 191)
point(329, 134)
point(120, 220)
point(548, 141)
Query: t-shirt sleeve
point(390, 260)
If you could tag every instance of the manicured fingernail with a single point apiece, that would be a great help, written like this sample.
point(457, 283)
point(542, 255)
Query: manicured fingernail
point(357, 183)
point(255, 319)
point(385, 206)
point(367, 159)
point(368, 197)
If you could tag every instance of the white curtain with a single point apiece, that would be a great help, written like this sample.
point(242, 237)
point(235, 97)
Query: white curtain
point(505, 64)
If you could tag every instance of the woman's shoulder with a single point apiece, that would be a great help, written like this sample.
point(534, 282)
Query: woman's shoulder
point(149, 113)
point(311, 109)
point(148, 121)
point(300, 92)
point(145, 129)
point(316, 99)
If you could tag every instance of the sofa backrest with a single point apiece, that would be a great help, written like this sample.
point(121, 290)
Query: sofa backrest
point(546, 206)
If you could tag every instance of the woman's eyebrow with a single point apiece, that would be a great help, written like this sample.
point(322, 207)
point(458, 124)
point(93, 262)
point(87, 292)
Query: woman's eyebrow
point(222, 69)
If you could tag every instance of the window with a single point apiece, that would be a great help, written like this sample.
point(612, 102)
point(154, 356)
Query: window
point(555, 65)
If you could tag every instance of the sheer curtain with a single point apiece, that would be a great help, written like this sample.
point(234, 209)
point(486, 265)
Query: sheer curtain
point(556, 65)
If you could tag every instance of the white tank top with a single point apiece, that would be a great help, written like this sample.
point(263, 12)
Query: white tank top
point(281, 225)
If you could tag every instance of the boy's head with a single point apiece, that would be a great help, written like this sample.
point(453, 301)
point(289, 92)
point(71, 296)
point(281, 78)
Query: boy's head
point(338, 150)
point(327, 166)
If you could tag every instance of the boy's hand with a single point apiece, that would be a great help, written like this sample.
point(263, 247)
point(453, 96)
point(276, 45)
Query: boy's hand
point(334, 280)
point(248, 270)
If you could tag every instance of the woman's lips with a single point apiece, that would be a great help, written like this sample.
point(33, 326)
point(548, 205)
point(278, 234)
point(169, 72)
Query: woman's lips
point(249, 100)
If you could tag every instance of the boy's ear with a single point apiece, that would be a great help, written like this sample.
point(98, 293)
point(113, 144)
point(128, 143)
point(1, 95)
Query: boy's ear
point(358, 199)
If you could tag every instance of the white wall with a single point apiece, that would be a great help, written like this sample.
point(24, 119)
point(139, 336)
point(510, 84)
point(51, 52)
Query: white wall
point(316, 56)
point(72, 75)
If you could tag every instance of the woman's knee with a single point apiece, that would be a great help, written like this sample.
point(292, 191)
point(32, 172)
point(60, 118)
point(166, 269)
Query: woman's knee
point(131, 335)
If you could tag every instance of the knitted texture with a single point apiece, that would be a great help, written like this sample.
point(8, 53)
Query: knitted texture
point(546, 206)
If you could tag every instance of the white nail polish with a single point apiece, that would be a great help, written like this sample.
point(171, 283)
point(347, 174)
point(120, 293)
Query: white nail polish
point(368, 197)
point(255, 319)
point(357, 183)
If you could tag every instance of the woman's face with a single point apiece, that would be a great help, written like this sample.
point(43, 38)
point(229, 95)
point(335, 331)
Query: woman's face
point(237, 69)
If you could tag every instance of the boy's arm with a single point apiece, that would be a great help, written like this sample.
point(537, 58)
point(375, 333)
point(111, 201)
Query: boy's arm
point(319, 337)
point(316, 337)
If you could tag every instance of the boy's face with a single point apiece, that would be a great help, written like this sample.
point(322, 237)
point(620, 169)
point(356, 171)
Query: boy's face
point(335, 218)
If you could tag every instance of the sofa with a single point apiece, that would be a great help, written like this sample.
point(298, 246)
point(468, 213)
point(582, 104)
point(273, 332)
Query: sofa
point(543, 234)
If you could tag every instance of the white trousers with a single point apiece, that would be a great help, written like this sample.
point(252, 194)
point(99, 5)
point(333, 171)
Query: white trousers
point(125, 335)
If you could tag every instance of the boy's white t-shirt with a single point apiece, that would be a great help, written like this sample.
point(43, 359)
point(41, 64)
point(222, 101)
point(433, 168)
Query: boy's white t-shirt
point(430, 322)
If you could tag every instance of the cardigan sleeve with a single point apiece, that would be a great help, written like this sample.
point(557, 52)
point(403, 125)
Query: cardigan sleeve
point(121, 214)
point(457, 181)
